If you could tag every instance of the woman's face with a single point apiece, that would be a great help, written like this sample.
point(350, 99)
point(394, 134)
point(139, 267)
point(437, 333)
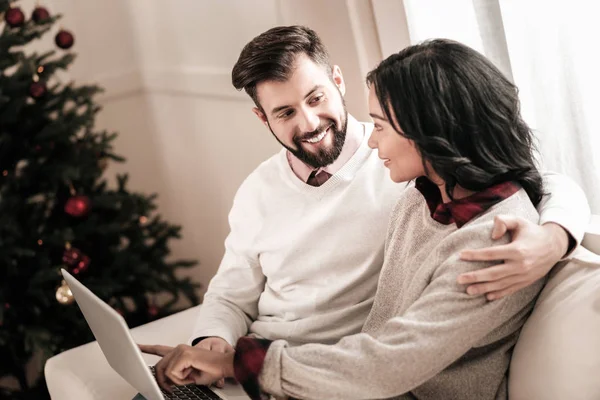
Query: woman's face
point(399, 154)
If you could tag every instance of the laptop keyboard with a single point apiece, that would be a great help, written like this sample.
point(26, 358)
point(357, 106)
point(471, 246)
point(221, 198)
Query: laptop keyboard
point(188, 392)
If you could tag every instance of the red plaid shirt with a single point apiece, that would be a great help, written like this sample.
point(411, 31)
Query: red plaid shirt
point(250, 353)
point(460, 211)
point(248, 360)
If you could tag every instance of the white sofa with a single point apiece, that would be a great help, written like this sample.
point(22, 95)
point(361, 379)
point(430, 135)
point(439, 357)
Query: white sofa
point(557, 356)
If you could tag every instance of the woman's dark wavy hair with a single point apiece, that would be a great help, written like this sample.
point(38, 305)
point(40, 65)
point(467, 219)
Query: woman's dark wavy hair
point(462, 114)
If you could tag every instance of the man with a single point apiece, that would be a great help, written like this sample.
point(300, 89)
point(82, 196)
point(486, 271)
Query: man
point(308, 226)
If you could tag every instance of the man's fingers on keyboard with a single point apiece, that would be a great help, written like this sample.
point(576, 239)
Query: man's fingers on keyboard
point(202, 378)
point(162, 379)
point(177, 381)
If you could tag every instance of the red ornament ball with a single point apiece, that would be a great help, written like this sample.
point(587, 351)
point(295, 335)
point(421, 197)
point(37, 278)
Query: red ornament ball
point(14, 17)
point(37, 90)
point(40, 14)
point(76, 260)
point(64, 39)
point(153, 311)
point(78, 206)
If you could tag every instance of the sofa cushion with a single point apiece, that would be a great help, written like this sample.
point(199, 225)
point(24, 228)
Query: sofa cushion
point(557, 355)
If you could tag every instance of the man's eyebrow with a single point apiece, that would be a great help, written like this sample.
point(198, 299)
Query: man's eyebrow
point(317, 87)
point(277, 109)
point(281, 108)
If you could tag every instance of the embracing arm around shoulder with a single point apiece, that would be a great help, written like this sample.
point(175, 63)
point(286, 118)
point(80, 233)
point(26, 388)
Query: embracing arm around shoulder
point(535, 248)
point(566, 205)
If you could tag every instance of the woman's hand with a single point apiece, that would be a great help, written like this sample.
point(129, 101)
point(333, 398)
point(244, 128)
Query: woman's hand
point(185, 365)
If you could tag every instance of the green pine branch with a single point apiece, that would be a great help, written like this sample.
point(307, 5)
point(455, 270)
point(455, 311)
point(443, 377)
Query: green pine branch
point(51, 150)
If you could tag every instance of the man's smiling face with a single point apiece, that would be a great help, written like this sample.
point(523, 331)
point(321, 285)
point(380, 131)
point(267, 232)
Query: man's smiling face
point(306, 113)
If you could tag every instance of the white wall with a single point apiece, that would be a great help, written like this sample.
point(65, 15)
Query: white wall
point(188, 135)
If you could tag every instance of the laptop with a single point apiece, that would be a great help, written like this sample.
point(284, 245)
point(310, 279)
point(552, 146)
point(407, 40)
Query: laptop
point(124, 356)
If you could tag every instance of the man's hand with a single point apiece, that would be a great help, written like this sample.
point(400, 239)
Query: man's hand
point(532, 253)
point(185, 365)
point(216, 344)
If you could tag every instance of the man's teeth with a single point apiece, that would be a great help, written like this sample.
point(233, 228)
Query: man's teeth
point(318, 138)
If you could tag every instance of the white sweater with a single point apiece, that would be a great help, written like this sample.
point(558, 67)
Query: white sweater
point(301, 263)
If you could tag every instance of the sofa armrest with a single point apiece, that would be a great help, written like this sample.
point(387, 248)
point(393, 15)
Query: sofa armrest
point(83, 373)
point(591, 240)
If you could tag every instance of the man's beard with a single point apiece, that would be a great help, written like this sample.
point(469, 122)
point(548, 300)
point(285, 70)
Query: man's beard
point(324, 156)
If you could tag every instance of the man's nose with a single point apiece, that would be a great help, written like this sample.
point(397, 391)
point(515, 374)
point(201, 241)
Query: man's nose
point(309, 121)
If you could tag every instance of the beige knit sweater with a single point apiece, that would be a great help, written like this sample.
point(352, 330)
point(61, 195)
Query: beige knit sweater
point(425, 337)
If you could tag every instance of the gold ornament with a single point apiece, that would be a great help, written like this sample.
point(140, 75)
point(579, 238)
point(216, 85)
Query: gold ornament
point(64, 295)
point(124, 243)
point(20, 166)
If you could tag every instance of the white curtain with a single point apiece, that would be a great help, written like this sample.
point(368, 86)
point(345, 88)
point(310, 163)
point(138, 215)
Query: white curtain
point(550, 50)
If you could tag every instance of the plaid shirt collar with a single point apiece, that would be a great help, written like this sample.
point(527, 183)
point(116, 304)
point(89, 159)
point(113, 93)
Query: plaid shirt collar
point(461, 211)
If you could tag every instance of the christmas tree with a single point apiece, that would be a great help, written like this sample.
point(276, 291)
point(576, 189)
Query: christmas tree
point(57, 211)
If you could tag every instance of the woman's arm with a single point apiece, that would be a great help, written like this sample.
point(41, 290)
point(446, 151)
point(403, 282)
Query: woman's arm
point(439, 328)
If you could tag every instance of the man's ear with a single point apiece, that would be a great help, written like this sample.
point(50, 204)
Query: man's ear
point(338, 79)
point(261, 115)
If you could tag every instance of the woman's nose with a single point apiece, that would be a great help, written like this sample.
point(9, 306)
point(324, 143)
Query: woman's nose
point(372, 142)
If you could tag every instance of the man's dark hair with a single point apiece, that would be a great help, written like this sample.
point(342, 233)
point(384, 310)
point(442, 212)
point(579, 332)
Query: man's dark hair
point(462, 114)
point(271, 56)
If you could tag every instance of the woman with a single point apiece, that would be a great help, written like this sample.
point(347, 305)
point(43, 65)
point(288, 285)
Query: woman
point(445, 116)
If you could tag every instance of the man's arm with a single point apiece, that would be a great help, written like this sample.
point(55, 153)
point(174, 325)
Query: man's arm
point(231, 301)
point(566, 205)
point(535, 249)
point(230, 304)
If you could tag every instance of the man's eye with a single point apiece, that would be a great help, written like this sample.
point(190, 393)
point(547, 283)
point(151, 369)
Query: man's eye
point(316, 99)
point(286, 114)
